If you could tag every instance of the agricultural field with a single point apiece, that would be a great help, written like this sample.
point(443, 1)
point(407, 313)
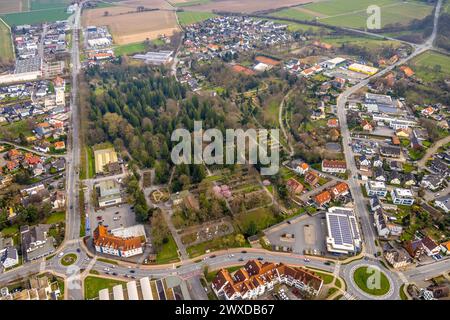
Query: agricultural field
point(128, 26)
point(190, 17)
point(6, 51)
point(8, 6)
point(187, 3)
point(150, 4)
point(431, 66)
point(33, 17)
point(348, 13)
point(246, 6)
point(48, 4)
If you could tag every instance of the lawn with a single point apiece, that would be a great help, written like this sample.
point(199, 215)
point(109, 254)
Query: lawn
point(211, 275)
point(263, 218)
point(131, 48)
point(168, 252)
point(363, 276)
point(34, 17)
point(68, 259)
point(56, 218)
point(6, 51)
point(13, 130)
point(92, 285)
point(190, 17)
point(9, 231)
point(431, 66)
point(225, 242)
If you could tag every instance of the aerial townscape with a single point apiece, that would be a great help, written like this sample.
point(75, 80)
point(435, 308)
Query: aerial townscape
point(93, 205)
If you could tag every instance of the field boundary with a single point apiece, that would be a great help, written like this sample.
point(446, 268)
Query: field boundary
point(11, 38)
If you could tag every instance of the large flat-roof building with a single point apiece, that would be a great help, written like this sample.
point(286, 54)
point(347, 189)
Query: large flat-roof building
point(343, 232)
point(109, 193)
point(104, 157)
point(157, 58)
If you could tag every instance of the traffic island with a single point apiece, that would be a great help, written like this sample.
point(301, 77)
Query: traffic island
point(69, 259)
point(371, 280)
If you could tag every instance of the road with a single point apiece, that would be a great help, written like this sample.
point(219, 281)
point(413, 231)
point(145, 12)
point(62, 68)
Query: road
point(43, 154)
point(192, 268)
point(431, 151)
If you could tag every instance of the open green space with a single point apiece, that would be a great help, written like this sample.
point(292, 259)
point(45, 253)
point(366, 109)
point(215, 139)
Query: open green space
point(13, 130)
point(34, 17)
point(49, 4)
point(107, 261)
point(92, 285)
point(69, 259)
point(6, 51)
point(363, 277)
point(211, 275)
point(260, 219)
point(9, 231)
point(168, 252)
point(431, 66)
point(229, 241)
point(190, 17)
point(130, 48)
point(56, 218)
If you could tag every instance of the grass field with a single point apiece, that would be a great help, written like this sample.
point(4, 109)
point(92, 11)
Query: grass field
point(14, 129)
point(425, 66)
point(168, 252)
point(8, 6)
point(49, 4)
point(130, 48)
point(188, 3)
point(190, 17)
point(6, 51)
point(92, 285)
point(362, 277)
point(350, 13)
point(56, 218)
point(33, 17)
point(263, 218)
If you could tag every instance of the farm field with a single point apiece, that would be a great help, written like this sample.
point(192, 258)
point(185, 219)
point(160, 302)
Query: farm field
point(48, 4)
point(32, 17)
point(127, 26)
point(150, 4)
point(368, 42)
point(425, 66)
point(6, 51)
point(187, 3)
point(348, 13)
point(8, 6)
point(190, 17)
point(246, 6)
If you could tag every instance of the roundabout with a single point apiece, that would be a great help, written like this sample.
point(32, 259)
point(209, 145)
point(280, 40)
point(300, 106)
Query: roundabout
point(68, 259)
point(368, 280)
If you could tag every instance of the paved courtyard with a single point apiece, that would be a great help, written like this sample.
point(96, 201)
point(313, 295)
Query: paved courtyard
point(114, 217)
point(308, 234)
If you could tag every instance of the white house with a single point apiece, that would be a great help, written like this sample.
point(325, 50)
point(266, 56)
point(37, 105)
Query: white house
point(443, 203)
point(402, 196)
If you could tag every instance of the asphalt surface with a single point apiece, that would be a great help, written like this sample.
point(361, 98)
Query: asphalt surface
point(190, 270)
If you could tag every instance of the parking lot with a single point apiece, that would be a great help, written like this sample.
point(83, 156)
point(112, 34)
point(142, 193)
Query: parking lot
point(308, 234)
point(114, 217)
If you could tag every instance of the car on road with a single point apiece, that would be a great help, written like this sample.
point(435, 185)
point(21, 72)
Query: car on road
point(60, 254)
point(116, 218)
point(117, 212)
point(132, 271)
point(114, 273)
point(244, 251)
point(241, 259)
point(106, 269)
point(133, 277)
point(327, 263)
point(260, 258)
point(212, 256)
point(99, 218)
point(78, 250)
point(307, 260)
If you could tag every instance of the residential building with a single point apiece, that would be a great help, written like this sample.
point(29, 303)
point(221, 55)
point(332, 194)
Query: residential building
point(312, 178)
point(107, 243)
point(343, 234)
point(402, 196)
point(415, 248)
point(376, 188)
point(302, 168)
point(294, 186)
point(341, 189)
point(390, 151)
point(322, 198)
point(397, 258)
point(8, 253)
point(35, 242)
point(334, 166)
point(432, 181)
point(385, 228)
point(256, 278)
